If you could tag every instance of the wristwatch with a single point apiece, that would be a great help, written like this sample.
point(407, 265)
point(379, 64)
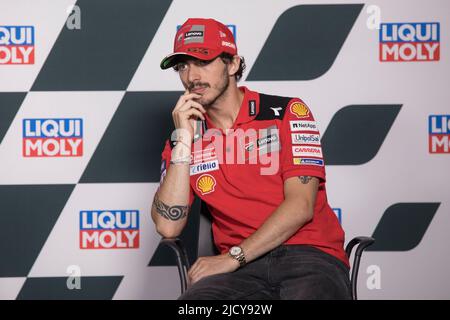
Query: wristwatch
point(237, 253)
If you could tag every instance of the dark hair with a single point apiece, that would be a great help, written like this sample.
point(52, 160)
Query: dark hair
point(227, 58)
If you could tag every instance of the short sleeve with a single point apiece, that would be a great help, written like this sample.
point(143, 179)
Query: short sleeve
point(301, 151)
point(165, 163)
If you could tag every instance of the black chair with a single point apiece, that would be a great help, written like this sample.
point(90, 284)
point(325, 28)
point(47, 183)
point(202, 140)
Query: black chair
point(207, 248)
point(361, 244)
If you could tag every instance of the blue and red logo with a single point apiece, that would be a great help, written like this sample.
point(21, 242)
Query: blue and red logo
point(439, 133)
point(338, 212)
point(16, 45)
point(52, 137)
point(109, 229)
point(409, 42)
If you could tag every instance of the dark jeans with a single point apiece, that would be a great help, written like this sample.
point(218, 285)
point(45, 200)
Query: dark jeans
point(293, 272)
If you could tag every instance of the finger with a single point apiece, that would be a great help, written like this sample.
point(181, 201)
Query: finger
point(188, 114)
point(191, 114)
point(184, 98)
point(190, 274)
point(199, 276)
point(191, 104)
point(193, 278)
point(196, 274)
point(196, 268)
point(190, 96)
point(181, 100)
point(193, 267)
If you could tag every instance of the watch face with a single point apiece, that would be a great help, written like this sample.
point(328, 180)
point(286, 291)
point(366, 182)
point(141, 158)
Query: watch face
point(235, 251)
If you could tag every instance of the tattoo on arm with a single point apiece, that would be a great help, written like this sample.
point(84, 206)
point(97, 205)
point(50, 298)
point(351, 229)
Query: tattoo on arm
point(169, 212)
point(305, 179)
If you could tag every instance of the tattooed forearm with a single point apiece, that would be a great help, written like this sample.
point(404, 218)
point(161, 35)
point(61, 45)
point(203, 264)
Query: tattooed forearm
point(169, 212)
point(305, 179)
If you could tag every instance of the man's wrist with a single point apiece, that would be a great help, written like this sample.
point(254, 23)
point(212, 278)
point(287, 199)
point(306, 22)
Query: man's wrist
point(183, 135)
point(233, 260)
point(181, 151)
point(183, 143)
point(186, 160)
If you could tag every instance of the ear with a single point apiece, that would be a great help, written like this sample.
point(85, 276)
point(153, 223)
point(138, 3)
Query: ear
point(233, 66)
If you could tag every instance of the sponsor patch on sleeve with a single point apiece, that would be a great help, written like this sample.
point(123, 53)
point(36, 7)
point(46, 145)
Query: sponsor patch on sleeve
point(303, 125)
point(308, 161)
point(305, 138)
point(300, 110)
point(306, 151)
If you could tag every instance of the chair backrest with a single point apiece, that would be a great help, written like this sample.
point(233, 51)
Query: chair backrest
point(206, 245)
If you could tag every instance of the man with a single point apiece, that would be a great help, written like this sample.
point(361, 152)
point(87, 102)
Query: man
point(277, 235)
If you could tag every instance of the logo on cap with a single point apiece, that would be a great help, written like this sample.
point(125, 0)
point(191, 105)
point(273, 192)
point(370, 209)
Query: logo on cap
point(199, 50)
point(228, 44)
point(195, 35)
point(203, 39)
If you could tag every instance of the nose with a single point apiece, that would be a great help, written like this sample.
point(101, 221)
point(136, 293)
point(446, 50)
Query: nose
point(193, 73)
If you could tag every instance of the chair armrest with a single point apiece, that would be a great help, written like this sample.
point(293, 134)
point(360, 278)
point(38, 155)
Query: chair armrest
point(362, 243)
point(181, 258)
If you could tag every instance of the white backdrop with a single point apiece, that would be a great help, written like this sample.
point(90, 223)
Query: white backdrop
point(402, 171)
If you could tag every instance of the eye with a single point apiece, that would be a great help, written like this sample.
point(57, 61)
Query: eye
point(180, 66)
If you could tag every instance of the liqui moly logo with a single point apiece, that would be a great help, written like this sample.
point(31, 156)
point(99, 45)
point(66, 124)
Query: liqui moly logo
point(109, 229)
point(16, 45)
point(409, 41)
point(52, 137)
point(439, 133)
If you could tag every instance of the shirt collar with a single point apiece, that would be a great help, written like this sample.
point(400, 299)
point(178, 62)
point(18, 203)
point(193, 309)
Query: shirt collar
point(248, 111)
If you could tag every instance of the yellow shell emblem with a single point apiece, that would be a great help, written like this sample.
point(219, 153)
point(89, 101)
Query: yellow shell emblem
point(206, 183)
point(299, 109)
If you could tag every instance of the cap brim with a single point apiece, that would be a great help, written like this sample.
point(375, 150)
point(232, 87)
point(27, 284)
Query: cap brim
point(172, 59)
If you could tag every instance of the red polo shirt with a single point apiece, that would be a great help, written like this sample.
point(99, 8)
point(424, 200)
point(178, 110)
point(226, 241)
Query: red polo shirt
point(240, 173)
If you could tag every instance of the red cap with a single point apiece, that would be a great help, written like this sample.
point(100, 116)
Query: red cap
point(204, 39)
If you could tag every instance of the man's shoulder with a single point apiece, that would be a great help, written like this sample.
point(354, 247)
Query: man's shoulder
point(273, 106)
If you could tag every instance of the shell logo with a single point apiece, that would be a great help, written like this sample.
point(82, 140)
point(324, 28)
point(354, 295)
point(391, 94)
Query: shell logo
point(205, 184)
point(299, 109)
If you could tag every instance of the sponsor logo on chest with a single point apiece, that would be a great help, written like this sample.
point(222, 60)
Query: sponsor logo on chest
point(204, 167)
point(269, 141)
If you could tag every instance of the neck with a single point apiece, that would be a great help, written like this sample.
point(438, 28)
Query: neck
point(225, 110)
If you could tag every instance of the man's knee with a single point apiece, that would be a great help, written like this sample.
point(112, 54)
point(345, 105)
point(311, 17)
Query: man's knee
point(208, 288)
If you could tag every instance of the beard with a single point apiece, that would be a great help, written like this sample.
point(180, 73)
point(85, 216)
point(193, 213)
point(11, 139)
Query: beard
point(218, 90)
